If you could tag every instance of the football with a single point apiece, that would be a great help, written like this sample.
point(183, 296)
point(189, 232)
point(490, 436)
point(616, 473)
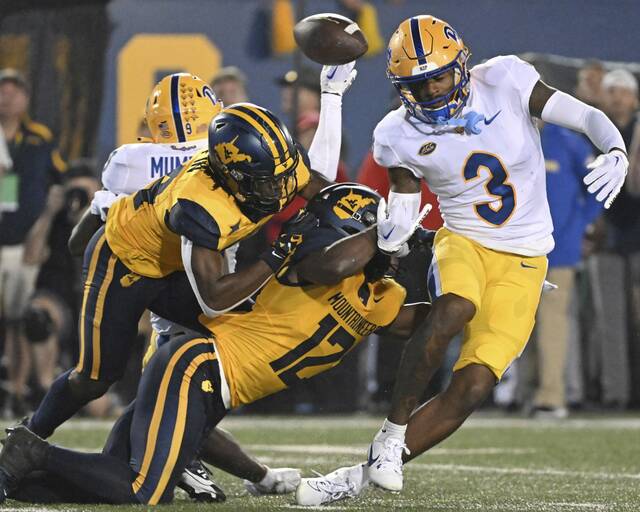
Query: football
point(330, 39)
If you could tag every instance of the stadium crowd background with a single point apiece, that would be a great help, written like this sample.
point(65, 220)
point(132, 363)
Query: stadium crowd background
point(85, 72)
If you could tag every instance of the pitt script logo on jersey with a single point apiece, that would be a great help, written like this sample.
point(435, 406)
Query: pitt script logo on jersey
point(228, 152)
point(350, 204)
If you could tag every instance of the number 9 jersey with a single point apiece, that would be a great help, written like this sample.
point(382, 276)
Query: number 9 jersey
point(491, 186)
point(144, 229)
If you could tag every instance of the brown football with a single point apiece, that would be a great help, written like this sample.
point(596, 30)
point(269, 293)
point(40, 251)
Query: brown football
point(330, 39)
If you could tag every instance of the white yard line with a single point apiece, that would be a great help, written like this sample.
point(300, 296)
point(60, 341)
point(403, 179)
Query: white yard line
point(325, 449)
point(525, 471)
point(368, 422)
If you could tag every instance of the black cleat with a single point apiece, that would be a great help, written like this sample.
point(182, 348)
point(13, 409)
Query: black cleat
point(196, 482)
point(22, 453)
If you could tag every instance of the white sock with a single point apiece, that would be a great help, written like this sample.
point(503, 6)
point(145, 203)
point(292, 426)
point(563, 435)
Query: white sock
point(268, 480)
point(393, 430)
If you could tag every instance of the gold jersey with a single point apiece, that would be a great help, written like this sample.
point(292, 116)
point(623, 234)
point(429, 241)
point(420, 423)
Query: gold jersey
point(144, 229)
point(296, 332)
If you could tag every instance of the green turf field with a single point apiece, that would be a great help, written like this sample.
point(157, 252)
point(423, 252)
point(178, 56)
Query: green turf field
point(491, 464)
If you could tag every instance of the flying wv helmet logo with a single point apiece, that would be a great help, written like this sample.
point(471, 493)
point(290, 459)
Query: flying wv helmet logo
point(229, 153)
point(349, 205)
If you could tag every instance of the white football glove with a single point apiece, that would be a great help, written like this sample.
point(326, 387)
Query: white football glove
point(392, 237)
point(607, 176)
point(337, 79)
point(102, 201)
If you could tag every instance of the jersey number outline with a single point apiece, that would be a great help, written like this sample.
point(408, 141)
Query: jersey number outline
point(326, 326)
point(497, 186)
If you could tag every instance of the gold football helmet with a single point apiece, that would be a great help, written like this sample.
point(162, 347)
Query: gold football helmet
point(421, 49)
point(180, 108)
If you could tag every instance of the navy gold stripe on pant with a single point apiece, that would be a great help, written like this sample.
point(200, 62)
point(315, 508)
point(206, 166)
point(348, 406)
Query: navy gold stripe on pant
point(178, 401)
point(114, 299)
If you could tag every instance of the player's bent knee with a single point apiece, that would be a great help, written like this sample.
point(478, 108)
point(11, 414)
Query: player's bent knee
point(451, 313)
point(83, 386)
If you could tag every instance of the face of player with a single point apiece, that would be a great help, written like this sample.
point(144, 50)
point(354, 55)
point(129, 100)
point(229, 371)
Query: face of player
point(14, 100)
point(435, 87)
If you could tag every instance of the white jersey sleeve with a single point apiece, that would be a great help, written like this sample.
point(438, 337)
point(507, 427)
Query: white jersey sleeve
point(385, 142)
point(512, 71)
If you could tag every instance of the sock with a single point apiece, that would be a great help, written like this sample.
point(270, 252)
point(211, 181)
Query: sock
point(269, 478)
point(104, 476)
point(57, 406)
point(391, 429)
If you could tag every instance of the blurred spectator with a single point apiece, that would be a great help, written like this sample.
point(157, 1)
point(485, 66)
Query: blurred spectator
point(5, 161)
point(230, 85)
point(572, 210)
point(366, 16)
point(36, 165)
point(614, 270)
point(589, 85)
point(308, 82)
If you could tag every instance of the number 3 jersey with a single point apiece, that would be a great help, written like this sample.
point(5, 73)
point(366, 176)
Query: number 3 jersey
point(144, 229)
point(490, 186)
point(294, 332)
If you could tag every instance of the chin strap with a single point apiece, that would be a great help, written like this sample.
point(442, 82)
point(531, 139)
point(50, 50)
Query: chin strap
point(470, 123)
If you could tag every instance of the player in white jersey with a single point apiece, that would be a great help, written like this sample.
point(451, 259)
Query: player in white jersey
point(471, 135)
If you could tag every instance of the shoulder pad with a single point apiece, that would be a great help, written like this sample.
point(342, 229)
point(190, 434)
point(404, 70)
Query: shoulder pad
point(189, 219)
point(494, 70)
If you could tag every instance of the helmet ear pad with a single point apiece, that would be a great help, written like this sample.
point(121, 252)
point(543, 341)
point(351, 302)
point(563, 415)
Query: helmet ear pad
point(253, 159)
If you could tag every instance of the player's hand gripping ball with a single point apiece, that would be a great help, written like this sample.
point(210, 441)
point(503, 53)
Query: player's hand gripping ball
point(330, 39)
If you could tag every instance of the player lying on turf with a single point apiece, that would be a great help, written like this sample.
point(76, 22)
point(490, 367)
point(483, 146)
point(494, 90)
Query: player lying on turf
point(471, 135)
point(330, 294)
point(167, 241)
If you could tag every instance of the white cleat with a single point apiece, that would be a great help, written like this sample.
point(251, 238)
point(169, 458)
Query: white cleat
point(385, 462)
point(338, 485)
point(276, 481)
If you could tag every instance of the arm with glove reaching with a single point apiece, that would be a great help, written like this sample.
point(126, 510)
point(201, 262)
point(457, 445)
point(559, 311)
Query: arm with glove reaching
point(324, 153)
point(609, 170)
point(399, 219)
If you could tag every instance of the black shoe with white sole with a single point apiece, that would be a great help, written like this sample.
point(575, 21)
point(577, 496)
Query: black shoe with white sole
point(196, 482)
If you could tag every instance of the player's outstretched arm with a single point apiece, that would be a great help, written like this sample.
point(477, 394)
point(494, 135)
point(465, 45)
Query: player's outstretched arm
point(217, 291)
point(398, 219)
point(324, 153)
point(342, 259)
point(609, 169)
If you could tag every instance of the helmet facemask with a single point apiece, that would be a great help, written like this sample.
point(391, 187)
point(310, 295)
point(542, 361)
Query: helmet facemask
point(258, 191)
point(442, 108)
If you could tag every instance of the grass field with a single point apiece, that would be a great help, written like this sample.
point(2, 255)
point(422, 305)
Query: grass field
point(491, 464)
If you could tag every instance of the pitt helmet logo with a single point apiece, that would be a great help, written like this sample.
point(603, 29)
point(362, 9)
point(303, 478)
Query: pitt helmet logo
point(349, 205)
point(207, 387)
point(427, 148)
point(229, 153)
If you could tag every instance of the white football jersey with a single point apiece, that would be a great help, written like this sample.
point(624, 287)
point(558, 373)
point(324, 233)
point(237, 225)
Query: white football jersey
point(491, 186)
point(133, 166)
